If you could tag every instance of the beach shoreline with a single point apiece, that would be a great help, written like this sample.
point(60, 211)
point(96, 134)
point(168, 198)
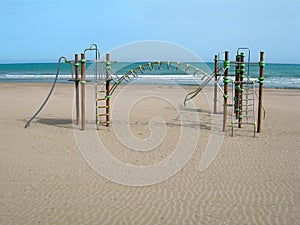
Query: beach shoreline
point(45, 178)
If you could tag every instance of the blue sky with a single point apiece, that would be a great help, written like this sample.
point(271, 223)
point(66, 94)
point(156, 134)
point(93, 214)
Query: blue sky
point(39, 31)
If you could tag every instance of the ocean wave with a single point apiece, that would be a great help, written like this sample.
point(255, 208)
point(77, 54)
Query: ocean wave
point(276, 75)
point(283, 82)
point(271, 82)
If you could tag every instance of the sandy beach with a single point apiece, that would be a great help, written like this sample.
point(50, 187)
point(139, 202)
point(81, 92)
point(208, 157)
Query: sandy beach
point(45, 177)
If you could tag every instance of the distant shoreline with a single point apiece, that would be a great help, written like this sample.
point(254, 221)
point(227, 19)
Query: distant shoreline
point(68, 83)
point(280, 76)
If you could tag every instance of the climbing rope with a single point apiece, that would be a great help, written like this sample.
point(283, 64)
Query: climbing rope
point(51, 90)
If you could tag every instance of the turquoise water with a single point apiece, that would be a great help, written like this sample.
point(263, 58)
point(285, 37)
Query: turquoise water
point(276, 75)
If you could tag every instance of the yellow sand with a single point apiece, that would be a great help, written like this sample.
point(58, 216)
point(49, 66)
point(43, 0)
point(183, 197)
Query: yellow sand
point(44, 178)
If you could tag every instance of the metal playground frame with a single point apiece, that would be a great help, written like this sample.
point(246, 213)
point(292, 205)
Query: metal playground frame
point(245, 103)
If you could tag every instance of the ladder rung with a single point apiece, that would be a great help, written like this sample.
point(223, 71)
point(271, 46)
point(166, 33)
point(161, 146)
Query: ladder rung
point(102, 107)
point(102, 122)
point(250, 102)
point(246, 118)
point(102, 91)
point(99, 84)
point(247, 123)
point(103, 114)
point(244, 82)
point(101, 99)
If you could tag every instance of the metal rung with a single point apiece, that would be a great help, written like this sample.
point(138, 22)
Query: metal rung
point(100, 83)
point(103, 114)
point(243, 82)
point(102, 107)
point(245, 100)
point(102, 91)
point(102, 122)
point(246, 118)
point(249, 123)
point(101, 99)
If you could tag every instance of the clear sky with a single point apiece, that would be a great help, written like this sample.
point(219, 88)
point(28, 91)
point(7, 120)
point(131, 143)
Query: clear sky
point(43, 30)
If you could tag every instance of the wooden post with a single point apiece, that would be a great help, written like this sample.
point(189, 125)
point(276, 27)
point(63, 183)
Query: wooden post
point(215, 85)
point(107, 71)
point(82, 91)
point(77, 89)
point(226, 80)
point(260, 93)
point(240, 89)
point(236, 93)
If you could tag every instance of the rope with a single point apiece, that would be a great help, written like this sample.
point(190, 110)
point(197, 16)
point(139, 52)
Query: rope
point(262, 105)
point(50, 92)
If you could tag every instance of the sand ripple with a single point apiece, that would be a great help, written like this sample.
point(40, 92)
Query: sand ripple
point(45, 180)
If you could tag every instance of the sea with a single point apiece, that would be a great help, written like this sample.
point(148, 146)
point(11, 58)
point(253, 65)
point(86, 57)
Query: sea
point(276, 75)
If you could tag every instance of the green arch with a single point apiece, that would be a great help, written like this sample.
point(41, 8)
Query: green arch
point(187, 68)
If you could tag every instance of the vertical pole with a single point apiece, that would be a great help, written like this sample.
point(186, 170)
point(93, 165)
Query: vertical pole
point(82, 91)
point(95, 87)
point(241, 88)
point(236, 93)
point(107, 88)
point(77, 89)
point(215, 86)
point(260, 93)
point(226, 80)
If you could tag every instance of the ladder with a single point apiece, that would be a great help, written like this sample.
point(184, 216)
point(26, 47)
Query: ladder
point(243, 104)
point(102, 106)
point(102, 99)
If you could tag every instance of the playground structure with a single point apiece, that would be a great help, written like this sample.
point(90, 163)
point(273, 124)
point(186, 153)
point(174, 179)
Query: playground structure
point(113, 80)
point(243, 96)
point(241, 101)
